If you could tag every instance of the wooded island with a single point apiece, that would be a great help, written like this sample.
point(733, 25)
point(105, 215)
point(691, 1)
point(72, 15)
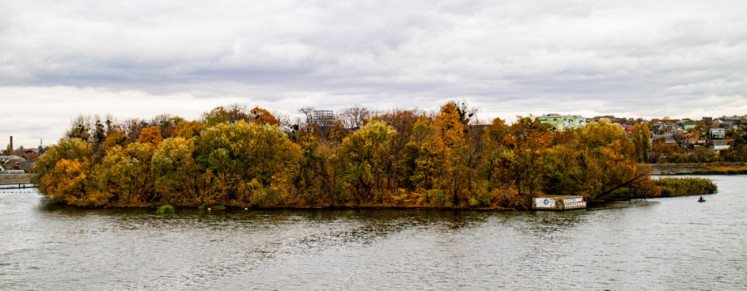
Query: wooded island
point(400, 158)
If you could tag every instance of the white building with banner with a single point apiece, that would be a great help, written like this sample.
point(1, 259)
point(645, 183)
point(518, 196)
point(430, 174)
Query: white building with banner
point(558, 203)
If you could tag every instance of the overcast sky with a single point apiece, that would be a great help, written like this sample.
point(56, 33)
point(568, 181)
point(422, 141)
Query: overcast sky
point(59, 59)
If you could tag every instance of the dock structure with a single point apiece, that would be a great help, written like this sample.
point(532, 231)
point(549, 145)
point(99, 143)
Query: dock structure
point(558, 203)
point(17, 186)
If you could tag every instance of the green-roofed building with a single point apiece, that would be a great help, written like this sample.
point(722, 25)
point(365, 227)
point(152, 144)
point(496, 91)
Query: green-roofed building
point(563, 122)
point(689, 125)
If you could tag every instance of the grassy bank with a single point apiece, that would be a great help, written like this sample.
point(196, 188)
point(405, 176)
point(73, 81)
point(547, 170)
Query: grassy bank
point(698, 168)
point(719, 171)
point(672, 187)
point(15, 178)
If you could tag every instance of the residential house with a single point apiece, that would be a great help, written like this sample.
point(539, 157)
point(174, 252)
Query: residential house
point(26, 166)
point(717, 133)
point(691, 139)
point(30, 154)
point(689, 125)
point(10, 159)
point(629, 129)
point(720, 144)
point(663, 136)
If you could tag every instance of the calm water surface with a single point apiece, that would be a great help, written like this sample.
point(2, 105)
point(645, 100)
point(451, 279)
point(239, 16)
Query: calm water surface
point(673, 243)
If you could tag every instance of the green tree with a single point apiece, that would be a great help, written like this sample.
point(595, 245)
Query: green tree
point(614, 169)
point(229, 114)
point(126, 174)
point(363, 156)
point(568, 169)
point(176, 172)
point(254, 164)
point(641, 137)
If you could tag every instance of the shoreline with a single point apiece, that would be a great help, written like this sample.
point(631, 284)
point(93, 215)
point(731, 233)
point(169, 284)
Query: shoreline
point(698, 168)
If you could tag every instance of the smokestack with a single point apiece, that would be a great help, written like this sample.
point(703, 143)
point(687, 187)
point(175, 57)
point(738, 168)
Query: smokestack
point(10, 147)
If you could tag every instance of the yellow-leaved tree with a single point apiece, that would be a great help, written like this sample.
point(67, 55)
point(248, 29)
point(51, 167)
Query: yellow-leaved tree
point(63, 173)
point(453, 131)
point(125, 173)
point(614, 172)
point(363, 156)
point(529, 139)
point(176, 172)
point(430, 156)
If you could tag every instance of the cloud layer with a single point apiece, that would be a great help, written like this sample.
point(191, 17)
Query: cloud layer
point(140, 58)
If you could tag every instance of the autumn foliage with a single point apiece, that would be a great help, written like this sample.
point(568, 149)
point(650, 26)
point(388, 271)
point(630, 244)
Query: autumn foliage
point(401, 158)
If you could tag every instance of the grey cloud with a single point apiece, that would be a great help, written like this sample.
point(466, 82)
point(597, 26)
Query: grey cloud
point(510, 57)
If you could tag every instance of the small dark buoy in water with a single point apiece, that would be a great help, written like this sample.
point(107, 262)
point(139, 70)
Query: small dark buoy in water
point(701, 199)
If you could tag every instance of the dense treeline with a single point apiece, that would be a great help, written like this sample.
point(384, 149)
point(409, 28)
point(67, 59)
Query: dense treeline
point(401, 158)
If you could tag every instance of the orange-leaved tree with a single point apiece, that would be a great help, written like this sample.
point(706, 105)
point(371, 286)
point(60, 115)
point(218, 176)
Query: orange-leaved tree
point(263, 116)
point(150, 135)
point(451, 128)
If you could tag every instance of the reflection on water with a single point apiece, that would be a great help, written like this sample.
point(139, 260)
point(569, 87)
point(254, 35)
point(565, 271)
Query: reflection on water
point(662, 243)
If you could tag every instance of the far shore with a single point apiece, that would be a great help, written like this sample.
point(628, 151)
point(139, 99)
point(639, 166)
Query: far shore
point(8, 179)
point(698, 168)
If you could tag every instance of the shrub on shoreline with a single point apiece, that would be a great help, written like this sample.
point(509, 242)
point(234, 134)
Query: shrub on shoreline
point(672, 187)
point(165, 209)
point(721, 171)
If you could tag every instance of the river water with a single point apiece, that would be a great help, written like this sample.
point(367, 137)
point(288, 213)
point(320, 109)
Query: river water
point(668, 243)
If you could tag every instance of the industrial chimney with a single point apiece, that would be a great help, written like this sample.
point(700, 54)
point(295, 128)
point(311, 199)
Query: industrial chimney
point(10, 147)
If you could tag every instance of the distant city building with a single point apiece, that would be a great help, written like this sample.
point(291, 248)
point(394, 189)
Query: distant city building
point(562, 122)
point(324, 117)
